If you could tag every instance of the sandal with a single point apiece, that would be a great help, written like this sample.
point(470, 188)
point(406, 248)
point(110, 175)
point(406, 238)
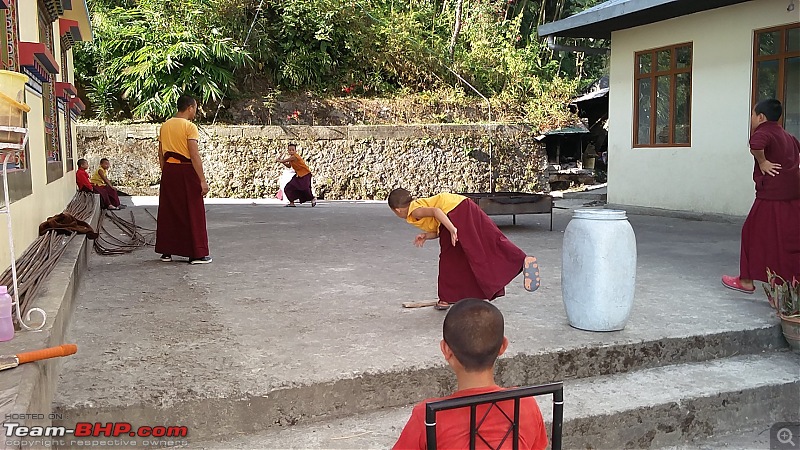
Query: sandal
point(530, 269)
point(289, 205)
point(442, 306)
point(736, 284)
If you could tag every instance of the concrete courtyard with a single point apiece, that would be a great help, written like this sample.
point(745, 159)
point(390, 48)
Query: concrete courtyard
point(299, 316)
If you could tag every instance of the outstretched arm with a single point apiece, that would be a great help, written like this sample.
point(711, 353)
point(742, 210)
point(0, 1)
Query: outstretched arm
point(419, 241)
point(286, 161)
point(439, 215)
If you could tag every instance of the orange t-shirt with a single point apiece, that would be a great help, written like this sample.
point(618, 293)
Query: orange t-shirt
point(175, 135)
point(299, 166)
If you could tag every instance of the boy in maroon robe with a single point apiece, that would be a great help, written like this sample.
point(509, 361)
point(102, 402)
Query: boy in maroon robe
point(181, 228)
point(771, 233)
point(476, 260)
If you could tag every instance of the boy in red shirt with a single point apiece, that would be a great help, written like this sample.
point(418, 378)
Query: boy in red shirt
point(473, 339)
point(82, 177)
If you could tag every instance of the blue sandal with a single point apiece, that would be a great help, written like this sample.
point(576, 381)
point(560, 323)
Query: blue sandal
point(530, 270)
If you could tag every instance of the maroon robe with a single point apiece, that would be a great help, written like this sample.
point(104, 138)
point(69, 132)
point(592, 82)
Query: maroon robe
point(771, 233)
point(299, 188)
point(483, 260)
point(108, 196)
point(181, 227)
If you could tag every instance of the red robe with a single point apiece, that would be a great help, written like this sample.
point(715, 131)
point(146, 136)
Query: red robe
point(771, 233)
point(483, 261)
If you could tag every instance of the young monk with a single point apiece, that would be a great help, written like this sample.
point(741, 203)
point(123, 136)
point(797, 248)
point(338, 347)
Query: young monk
point(181, 228)
point(102, 186)
point(82, 177)
point(771, 232)
point(476, 259)
point(472, 340)
point(299, 188)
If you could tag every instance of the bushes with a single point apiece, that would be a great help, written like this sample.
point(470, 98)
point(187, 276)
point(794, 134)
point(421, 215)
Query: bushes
point(148, 52)
point(143, 58)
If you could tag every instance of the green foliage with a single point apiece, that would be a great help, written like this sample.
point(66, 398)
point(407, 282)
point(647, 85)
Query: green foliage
point(783, 295)
point(148, 52)
point(147, 56)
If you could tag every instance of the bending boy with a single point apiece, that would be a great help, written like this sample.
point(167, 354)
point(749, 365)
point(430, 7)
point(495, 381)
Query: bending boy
point(476, 259)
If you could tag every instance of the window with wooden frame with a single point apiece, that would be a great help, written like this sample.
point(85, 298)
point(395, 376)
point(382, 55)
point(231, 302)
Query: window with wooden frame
point(53, 151)
point(19, 175)
point(5, 58)
point(663, 96)
point(67, 115)
point(776, 71)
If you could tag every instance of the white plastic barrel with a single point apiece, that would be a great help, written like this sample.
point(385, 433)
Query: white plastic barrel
point(598, 271)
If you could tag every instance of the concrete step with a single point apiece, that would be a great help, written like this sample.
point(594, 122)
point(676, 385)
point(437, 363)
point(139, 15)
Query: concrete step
point(675, 406)
point(365, 392)
point(756, 438)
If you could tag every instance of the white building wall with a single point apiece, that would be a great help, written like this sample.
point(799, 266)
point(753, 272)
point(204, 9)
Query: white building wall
point(47, 199)
point(714, 175)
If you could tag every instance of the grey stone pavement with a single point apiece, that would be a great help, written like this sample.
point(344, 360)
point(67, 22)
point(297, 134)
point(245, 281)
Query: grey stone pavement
point(302, 296)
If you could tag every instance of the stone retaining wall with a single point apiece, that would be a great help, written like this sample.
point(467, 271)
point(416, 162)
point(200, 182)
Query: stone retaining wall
point(355, 162)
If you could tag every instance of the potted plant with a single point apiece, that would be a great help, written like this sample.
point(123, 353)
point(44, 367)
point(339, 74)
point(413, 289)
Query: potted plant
point(784, 296)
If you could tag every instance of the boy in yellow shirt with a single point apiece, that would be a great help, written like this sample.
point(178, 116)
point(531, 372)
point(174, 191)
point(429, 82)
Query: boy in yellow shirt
point(476, 259)
point(103, 186)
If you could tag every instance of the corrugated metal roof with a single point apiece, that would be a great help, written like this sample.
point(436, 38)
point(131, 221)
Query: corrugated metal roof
point(600, 20)
point(592, 95)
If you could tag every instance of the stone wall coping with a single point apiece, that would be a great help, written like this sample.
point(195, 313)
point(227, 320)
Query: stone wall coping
point(123, 132)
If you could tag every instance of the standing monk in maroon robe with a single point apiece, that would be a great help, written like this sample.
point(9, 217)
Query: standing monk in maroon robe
point(771, 233)
point(181, 228)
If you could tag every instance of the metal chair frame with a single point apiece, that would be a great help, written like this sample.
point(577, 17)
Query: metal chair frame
point(515, 394)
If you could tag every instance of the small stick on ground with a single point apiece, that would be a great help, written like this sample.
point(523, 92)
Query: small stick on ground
point(351, 436)
point(419, 304)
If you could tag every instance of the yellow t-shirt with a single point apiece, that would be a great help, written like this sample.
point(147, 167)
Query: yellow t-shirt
point(444, 201)
point(299, 166)
point(175, 135)
point(97, 179)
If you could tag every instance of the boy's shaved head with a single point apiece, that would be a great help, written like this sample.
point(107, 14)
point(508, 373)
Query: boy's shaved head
point(770, 108)
point(473, 329)
point(399, 198)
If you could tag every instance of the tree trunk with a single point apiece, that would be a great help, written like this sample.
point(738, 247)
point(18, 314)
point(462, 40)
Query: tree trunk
point(456, 28)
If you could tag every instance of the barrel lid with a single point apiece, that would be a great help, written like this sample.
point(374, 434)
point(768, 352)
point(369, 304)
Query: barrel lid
point(600, 214)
